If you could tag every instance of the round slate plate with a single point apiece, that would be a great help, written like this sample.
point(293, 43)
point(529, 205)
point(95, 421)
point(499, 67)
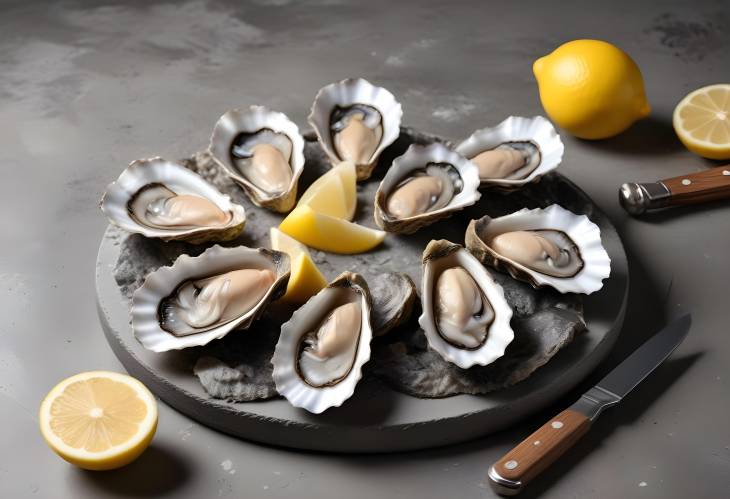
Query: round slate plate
point(376, 418)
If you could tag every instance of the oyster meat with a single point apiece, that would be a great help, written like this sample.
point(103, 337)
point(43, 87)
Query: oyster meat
point(263, 158)
point(513, 160)
point(462, 312)
point(427, 190)
point(465, 318)
point(426, 184)
point(197, 305)
point(327, 352)
point(517, 151)
point(162, 199)
point(550, 246)
point(354, 121)
point(199, 299)
point(322, 348)
point(156, 205)
point(263, 152)
point(548, 251)
point(356, 131)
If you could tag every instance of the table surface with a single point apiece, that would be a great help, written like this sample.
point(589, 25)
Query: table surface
point(85, 89)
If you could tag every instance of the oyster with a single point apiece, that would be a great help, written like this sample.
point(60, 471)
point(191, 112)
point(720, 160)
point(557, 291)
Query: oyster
point(321, 350)
point(424, 185)
point(393, 296)
point(203, 298)
point(545, 247)
point(355, 120)
point(161, 199)
point(517, 151)
point(263, 152)
point(465, 318)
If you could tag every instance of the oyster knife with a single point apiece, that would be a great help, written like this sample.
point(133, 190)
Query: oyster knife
point(520, 465)
point(693, 188)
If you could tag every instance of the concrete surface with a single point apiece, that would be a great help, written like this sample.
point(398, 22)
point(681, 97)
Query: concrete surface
point(85, 89)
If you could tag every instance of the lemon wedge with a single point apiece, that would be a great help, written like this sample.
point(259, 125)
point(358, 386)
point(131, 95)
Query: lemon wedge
point(327, 233)
point(99, 420)
point(334, 193)
point(702, 121)
point(305, 279)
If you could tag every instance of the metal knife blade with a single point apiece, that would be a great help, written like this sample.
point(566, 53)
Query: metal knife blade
point(632, 371)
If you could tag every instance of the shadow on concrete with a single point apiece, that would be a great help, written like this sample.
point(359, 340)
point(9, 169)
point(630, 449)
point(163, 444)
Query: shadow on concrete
point(159, 470)
point(660, 216)
point(653, 137)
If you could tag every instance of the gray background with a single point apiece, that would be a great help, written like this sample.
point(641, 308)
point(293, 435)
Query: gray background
point(85, 89)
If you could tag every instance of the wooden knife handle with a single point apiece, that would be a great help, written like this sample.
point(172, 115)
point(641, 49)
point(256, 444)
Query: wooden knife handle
point(708, 185)
point(523, 463)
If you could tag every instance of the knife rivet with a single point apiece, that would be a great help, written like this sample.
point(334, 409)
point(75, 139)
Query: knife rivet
point(557, 424)
point(510, 465)
point(686, 181)
point(536, 443)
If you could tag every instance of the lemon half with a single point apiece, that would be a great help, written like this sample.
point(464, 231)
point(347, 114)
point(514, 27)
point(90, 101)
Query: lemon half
point(99, 420)
point(702, 121)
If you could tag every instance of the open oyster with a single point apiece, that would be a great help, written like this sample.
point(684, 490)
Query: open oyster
point(517, 151)
point(355, 120)
point(424, 185)
point(161, 199)
point(550, 246)
point(203, 298)
point(465, 316)
point(263, 152)
point(321, 350)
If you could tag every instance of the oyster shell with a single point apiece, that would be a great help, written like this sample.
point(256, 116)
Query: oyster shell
point(393, 296)
point(161, 199)
point(517, 151)
point(424, 185)
point(263, 152)
point(545, 247)
point(355, 120)
point(321, 350)
point(203, 298)
point(465, 318)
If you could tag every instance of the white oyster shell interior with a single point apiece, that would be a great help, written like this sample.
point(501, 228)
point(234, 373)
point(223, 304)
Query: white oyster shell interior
point(415, 159)
point(143, 178)
point(254, 163)
point(580, 230)
point(322, 348)
point(536, 131)
point(480, 350)
point(164, 305)
point(353, 92)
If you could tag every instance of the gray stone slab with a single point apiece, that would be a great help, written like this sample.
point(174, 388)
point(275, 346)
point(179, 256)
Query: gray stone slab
point(376, 419)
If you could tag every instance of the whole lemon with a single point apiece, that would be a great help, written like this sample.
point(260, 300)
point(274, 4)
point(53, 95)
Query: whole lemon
point(591, 88)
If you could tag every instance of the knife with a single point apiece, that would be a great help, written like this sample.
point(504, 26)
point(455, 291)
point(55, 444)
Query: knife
point(523, 463)
point(708, 185)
